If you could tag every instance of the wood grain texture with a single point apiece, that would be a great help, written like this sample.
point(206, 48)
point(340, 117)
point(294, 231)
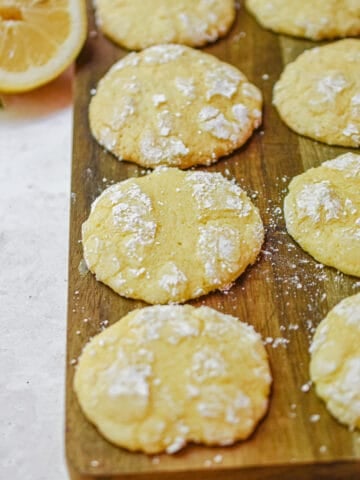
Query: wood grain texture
point(284, 295)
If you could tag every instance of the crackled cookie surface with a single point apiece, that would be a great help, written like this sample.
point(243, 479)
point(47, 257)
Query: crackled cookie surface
point(322, 212)
point(335, 361)
point(318, 95)
point(173, 105)
point(315, 19)
point(171, 235)
point(164, 376)
point(136, 24)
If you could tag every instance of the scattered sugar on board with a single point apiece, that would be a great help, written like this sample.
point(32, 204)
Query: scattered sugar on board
point(305, 388)
point(314, 418)
point(238, 36)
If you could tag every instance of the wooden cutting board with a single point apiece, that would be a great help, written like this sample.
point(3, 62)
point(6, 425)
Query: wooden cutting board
point(284, 295)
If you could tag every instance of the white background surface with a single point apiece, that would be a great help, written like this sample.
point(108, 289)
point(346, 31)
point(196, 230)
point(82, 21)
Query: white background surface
point(35, 158)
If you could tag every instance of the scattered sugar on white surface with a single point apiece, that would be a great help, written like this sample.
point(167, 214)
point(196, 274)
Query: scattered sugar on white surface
point(34, 246)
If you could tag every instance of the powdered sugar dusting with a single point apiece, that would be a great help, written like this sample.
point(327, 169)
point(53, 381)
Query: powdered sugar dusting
point(349, 310)
point(223, 80)
point(344, 392)
point(330, 86)
point(249, 90)
point(186, 86)
point(120, 113)
point(199, 30)
point(129, 380)
point(213, 191)
point(214, 122)
point(217, 404)
point(176, 445)
point(241, 114)
point(131, 214)
point(318, 201)
point(167, 149)
point(165, 123)
point(107, 138)
point(349, 163)
point(131, 60)
point(160, 54)
point(352, 130)
point(320, 338)
point(171, 323)
point(158, 99)
point(219, 248)
point(207, 363)
point(172, 280)
point(355, 99)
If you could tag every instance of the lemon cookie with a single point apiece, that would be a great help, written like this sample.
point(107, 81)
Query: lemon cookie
point(165, 376)
point(322, 212)
point(171, 235)
point(318, 95)
point(173, 105)
point(335, 361)
point(136, 24)
point(314, 19)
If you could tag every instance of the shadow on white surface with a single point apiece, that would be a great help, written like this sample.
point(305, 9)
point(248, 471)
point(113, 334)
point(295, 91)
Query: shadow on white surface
point(42, 101)
point(35, 154)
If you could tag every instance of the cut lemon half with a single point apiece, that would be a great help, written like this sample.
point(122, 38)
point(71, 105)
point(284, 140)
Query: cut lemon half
point(38, 40)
